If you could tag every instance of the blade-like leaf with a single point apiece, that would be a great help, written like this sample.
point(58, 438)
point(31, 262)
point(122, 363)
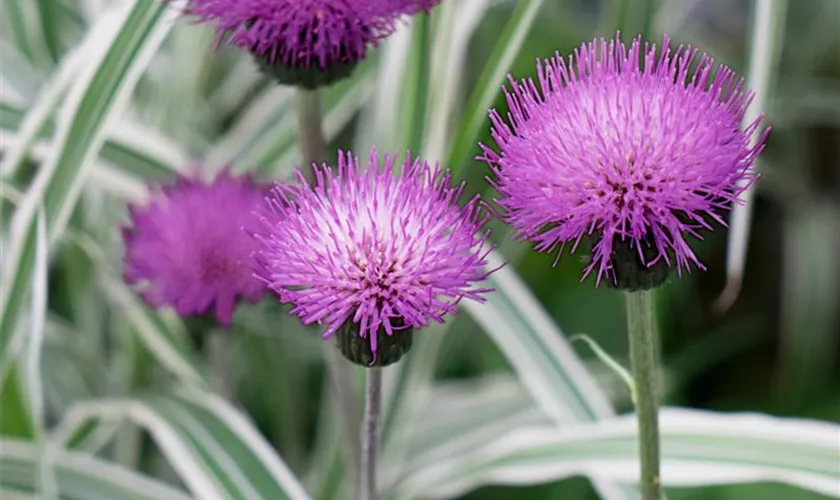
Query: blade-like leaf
point(490, 81)
point(537, 349)
point(456, 24)
point(92, 47)
point(265, 137)
point(460, 417)
point(98, 96)
point(154, 333)
point(34, 381)
point(265, 469)
point(40, 111)
point(698, 448)
point(150, 328)
point(768, 33)
point(131, 147)
point(24, 20)
point(186, 460)
point(99, 92)
point(79, 476)
point(414, 87)
point(542, 357)
point(212, 446)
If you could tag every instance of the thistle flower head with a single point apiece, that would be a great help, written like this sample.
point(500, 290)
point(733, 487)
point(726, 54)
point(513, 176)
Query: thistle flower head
point(304, 33)
point(631, 147)
point(187, 247)
point(386, 251)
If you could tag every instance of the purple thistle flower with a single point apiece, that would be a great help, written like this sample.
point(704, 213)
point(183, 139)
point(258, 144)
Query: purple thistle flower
point(302, 33)
point(386, 251)
point(187, 247)
point(636, 156)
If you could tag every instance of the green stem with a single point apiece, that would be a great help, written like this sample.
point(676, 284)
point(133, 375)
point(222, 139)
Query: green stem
point(313, 145)
point(646, 395)
point(370, 432)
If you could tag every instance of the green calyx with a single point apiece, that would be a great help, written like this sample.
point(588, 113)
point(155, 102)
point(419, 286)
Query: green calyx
point(631, 273)
point(389, 349)
point(310, 77)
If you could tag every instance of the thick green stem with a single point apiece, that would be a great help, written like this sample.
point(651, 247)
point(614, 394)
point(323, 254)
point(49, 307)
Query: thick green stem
point(313, 145)
point(646, 388)
point(370, 432)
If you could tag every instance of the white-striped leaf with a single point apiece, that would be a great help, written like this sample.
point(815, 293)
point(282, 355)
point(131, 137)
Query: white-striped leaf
point(536, 348)
point(265, 137)
point(698, 448)
point(768, 32)
point(490, 82)
point(214, 448)
point(79, 476)
point(131, 148)
point(460, 417)
point(150, 327)
point(101, 90)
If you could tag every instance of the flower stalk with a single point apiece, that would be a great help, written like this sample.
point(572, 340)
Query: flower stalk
point(313, 144)
point(370, 432)
point(646, 388)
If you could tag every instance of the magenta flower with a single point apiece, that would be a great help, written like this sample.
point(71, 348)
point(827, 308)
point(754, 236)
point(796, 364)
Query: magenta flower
point(631, 155)
point(385, 251)
point(187, 247)
point(303, 33)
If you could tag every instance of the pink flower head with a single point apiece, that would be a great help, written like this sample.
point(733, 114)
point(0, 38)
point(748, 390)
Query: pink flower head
point(608, 148)
point(187, 247)
point(384, 250)
point(301, 33)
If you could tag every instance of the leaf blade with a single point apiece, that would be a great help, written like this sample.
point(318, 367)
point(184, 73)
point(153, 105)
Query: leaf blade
point(698, 448)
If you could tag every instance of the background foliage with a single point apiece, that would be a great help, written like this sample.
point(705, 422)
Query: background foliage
point(101, 397)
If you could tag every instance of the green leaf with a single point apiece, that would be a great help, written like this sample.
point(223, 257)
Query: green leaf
point(79, 476)
point(265, 137)
point(21, 392)
point(767, 34)
point(24, 19)
point(536, 348)
point(49, 96)
point(415, 87)
point(698, 448)
point(455, 24)
point(90, 105)
point(130, 150)
point(543, 359)
point(99, 92)
point(460, 417)
point(487, 88)
point(15, 418)
point(214, 449)
point(148, 325)
point(35, 343)
point(154, 333)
